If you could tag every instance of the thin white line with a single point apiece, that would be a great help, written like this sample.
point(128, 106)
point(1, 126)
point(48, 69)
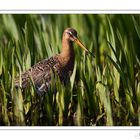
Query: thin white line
point(41, 11)
point(70, 128)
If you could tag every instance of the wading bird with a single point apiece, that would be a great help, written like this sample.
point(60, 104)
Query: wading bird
point(62, 64)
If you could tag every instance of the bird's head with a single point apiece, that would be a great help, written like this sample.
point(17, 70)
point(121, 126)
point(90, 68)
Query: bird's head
point(70, 34)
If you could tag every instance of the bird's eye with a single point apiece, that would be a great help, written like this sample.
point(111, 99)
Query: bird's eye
point(70, 33)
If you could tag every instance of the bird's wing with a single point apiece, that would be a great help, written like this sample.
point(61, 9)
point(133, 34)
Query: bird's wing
point(40, 73)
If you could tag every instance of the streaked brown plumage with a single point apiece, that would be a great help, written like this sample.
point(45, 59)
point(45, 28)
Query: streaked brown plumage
point(61, 64)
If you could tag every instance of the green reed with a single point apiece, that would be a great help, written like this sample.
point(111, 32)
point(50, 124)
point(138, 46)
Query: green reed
point(103, 91)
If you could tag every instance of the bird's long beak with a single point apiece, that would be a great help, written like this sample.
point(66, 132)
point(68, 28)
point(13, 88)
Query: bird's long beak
point(80, 44)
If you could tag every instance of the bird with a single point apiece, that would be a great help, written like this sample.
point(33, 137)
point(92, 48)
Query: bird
point(61, 64)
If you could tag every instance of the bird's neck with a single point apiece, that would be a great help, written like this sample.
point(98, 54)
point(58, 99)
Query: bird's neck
point(67, 48)
point(67, 53)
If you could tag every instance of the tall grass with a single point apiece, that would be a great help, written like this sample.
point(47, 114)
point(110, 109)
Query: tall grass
point(103, 91)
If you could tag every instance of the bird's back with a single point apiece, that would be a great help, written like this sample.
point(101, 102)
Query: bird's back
point(40, 74)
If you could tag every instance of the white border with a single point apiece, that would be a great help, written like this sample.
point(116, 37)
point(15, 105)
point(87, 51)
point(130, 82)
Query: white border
point(70, 135)
point(37, 5)
point(70, 7)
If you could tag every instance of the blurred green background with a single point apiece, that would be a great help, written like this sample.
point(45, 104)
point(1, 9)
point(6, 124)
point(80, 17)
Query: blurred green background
point(104, 90)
